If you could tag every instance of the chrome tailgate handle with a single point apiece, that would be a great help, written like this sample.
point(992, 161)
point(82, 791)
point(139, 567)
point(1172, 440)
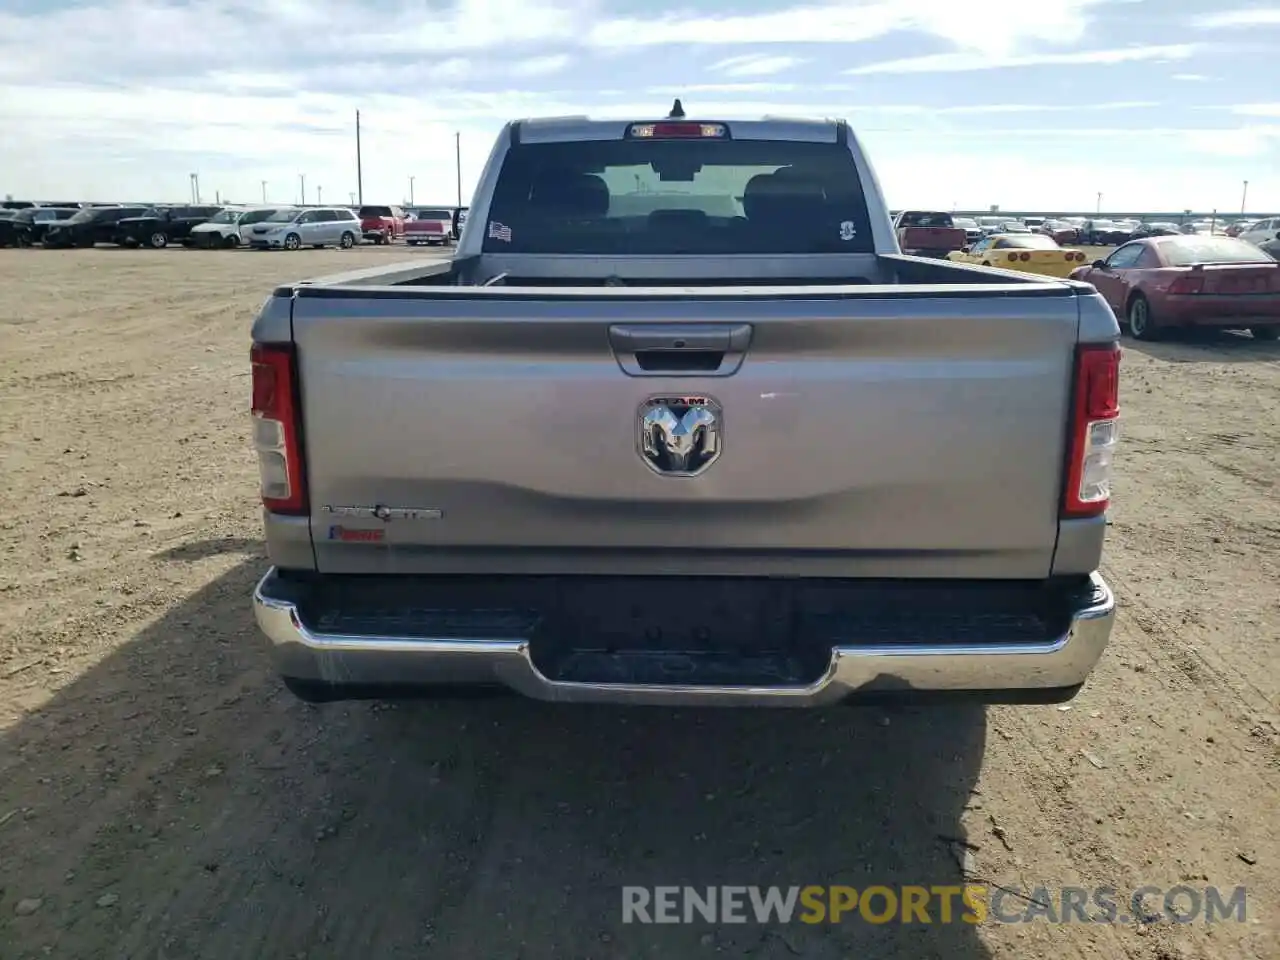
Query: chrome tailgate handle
point(667, 350)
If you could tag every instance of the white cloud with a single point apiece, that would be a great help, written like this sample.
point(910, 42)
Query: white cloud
point(1190, 77)
point(137, 93)
point(454, 68)
point(910, 178)
point(1250, 17)
point(1256, 109)
point(685, 89)
point(1242, 142)
point(540, 66)
point(755, 65)
point(1043, 107)
point(992, 26)
point(965, 62)
point(835, 105)
point(279, 33)
point(290, 30)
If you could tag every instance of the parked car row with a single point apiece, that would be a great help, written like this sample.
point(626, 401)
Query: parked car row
point(1163, 276)
point(1091, 231)
point(278, 226)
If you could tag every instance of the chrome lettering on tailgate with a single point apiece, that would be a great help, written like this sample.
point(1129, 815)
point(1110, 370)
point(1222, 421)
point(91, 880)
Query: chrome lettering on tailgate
point(383, 512)
point(680, 436)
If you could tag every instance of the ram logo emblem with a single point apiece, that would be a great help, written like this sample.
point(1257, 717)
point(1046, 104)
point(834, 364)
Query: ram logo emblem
point(680, 436)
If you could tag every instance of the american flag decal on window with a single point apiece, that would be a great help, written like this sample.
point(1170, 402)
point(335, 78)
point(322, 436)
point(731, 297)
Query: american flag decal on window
point(499, 231)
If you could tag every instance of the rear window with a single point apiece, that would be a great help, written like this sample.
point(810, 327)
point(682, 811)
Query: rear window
point(257, 216)
point(1185, 251)
point(662, 198)
point(375, 212)
point(918, 219)
point(434, 214)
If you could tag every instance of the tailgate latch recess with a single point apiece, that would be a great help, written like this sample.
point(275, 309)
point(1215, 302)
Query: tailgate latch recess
point(673, 350)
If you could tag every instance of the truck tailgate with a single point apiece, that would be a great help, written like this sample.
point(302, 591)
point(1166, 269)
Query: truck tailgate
point(932, 238)
point(864, 435)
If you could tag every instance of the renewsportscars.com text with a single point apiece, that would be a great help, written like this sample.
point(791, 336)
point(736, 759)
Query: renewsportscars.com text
point(969, 903)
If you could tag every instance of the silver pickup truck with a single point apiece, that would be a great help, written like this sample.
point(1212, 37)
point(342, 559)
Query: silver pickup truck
point(680, 424)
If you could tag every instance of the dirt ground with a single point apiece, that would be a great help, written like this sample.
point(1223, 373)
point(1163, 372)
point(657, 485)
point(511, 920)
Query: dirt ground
point(162, 797)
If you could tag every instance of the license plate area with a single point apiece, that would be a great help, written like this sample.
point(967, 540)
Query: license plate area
point(678, 631)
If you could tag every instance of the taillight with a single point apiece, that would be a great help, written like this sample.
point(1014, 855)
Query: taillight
point(1095, 421)
point(1189, 283)
point(1024, 257)
point(277, 429)
point(1013, 257)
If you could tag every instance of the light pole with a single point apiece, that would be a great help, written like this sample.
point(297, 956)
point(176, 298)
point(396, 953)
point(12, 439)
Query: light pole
point(359, 163)
point(1099, 208)
point(411, 179)
point(457, 157)
point(302, 187)
point(352, 195)
point(195, 188)
point(1244, 196)
point(264, 191)
point(319, 196)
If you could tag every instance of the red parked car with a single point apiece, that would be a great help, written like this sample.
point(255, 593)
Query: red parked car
point(381, 224)
point(1161, 283)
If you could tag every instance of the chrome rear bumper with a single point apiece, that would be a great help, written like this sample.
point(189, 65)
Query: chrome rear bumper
point(1058, 663)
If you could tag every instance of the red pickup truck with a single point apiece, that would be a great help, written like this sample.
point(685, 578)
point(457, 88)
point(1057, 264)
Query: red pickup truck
point(381, 224)
point(928, 233)
point(431, 225)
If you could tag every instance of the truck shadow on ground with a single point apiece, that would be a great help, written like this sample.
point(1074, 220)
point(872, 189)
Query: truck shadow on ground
point(173, 801)
point(202, 549)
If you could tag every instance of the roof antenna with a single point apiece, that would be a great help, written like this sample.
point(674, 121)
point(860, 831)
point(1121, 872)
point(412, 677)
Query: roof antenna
point(677, 111)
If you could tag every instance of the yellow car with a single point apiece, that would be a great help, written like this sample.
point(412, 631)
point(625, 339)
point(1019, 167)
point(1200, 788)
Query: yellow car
point(1028, 252)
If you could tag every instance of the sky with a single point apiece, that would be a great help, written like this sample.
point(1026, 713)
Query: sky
point(1028, 104)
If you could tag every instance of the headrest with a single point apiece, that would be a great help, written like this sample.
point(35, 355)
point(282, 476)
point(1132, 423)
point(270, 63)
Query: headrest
point(775, 194)
point(568, 194)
